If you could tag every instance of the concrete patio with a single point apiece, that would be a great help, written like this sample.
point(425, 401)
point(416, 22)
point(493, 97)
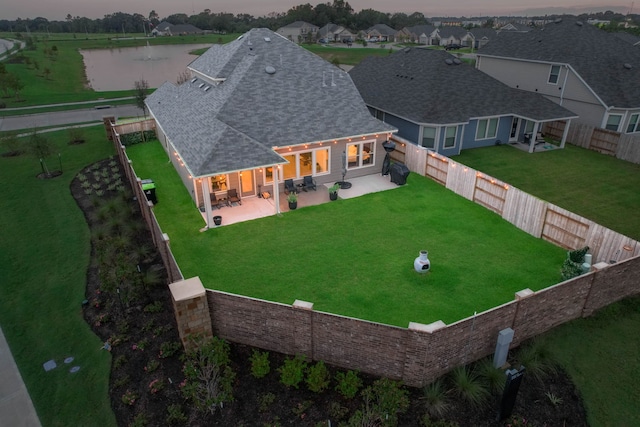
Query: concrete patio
point(256, 207)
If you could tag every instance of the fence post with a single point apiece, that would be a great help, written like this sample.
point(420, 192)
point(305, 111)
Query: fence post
point(191, 310)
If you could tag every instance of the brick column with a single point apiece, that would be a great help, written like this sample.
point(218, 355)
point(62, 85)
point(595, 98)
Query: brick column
point(191, 309)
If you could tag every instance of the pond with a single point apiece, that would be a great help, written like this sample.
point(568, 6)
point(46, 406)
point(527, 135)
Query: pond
point(119, 69)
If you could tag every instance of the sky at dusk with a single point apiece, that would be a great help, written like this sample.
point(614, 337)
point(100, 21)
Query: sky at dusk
point(58, 9)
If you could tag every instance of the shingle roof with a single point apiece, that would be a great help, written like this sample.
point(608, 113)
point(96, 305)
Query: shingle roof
point(234, 125)
point(418, 30)
point(419, 85)
point(457, 32)
point(628, 37)
point(479, 33)
point(598, 57)
point(383, 29)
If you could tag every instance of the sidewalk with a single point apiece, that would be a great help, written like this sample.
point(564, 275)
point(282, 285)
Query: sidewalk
point(16, 408)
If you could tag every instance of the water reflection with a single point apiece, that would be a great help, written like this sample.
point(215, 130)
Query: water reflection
point(120, 68)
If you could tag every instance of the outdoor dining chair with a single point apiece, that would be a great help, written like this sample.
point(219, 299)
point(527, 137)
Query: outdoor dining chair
point(232, 197)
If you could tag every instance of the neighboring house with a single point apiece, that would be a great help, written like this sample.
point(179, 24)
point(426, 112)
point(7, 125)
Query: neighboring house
point(336, 33)
point(453, 35)
point(381, 33)
point(255, 113)
point(514, 27)
point(166, 29)
point(299, 31)
point(576, 65)
point(441, 103)
point(422, 34)
point(481, 36)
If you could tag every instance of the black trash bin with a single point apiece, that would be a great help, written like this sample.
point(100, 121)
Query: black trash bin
point(399, 173)
point(149, 188)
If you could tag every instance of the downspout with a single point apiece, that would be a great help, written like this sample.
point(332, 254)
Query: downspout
point(564, 84)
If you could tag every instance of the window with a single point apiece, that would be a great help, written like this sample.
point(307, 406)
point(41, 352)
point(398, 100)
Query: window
point(487, 128)
point(219, 183)
point(450, 136)
point(380, 115)
point(554, 74)
point(613, 122)
point(360, 154)
point(633, 126)
point(321, 161)
point(429, 137)
point(313, 162)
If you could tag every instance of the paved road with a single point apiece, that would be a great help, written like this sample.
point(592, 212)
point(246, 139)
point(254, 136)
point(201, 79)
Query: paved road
point(66, 118)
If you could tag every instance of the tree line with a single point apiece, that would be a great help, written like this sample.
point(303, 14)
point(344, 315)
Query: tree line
point(339, 12)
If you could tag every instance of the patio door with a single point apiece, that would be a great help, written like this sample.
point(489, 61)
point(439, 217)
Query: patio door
point(247, 183)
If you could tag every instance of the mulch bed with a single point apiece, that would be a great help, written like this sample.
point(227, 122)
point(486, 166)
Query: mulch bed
point(137, 334)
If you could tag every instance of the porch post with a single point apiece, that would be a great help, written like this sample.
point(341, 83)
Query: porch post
point(534, 135)
point(276, 193)
point(206, 199)
point(567, 123)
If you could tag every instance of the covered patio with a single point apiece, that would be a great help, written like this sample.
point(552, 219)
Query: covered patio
point(256, 207)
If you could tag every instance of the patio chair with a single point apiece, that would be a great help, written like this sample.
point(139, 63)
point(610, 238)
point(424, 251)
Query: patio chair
point(232, 197)
point(215, 202)
point(289, 186)
point(308, 183)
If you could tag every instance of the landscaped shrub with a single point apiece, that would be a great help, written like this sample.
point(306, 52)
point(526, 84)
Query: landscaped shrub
point(383, 402)
point(494, 378)
point(578, 254)
point(209, 378)
point(260, 366)
point(318, 377)
point(176, 415)
point(435, 397)
point(536, 359)
point(349, 383)
point(168, 349)
point(292, 371)
point(137, 137)
point(467, 386)
point(570, 269)
point(572, 266)
point(265, 400)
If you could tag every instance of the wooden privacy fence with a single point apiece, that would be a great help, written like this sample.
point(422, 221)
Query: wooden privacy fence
point(160, 239)
point(537, 217)
point(621, 145)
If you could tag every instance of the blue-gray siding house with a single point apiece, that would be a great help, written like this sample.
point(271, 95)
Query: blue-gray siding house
point(441, 103)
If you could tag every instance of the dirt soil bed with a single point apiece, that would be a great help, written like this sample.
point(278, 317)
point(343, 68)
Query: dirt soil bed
point(141, 335)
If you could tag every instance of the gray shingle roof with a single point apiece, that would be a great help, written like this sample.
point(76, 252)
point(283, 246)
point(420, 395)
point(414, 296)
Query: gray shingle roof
point(235, 125)
point(383, 29)
point(417, 84)
point(598, 57)
point(418, 30)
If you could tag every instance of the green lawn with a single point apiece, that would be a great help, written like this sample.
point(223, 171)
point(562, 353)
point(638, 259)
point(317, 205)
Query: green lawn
point(45, 252)
point(598, 187)
point(601, 354)
point(355, 257)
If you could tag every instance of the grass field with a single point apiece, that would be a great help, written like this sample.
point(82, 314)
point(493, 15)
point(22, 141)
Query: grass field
point(45, 253)
point(598, 187)
point(601, 355)
point(355, 257)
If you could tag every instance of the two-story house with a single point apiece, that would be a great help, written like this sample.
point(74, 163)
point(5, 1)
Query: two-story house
point(576, 65)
